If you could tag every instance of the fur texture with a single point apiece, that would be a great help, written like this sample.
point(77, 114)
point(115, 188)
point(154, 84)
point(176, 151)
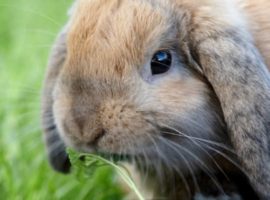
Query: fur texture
point(100, 95)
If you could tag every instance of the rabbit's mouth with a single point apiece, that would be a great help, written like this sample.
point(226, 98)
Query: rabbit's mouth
point(113, 157)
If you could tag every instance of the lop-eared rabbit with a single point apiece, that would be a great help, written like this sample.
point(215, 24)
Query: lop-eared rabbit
point(177, 88)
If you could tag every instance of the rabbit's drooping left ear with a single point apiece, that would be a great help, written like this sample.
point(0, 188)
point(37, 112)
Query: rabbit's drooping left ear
point(55, 146)
point(225, 51)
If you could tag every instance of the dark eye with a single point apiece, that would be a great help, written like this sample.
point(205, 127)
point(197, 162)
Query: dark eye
point(161, 62)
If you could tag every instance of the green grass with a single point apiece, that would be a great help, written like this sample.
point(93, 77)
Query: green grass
point(27, 31)
point(85, 165)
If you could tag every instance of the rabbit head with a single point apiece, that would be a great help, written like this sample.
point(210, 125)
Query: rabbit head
point(126, 86)
point(134, 78)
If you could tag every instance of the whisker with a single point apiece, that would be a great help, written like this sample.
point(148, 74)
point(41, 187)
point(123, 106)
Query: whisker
point(207, 143)
point(228, 158)
point(37, 13)
point(204, 167)
point(188, 166)
point(161, 161)
point(45, 32)
point(221, 145)
point(208, 154)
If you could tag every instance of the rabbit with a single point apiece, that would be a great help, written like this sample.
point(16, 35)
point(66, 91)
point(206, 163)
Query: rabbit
point(178, 88)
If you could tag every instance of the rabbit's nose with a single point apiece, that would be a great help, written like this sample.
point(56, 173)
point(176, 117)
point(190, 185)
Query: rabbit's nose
point(84, 126)
point(98, 135)
point(91, 132)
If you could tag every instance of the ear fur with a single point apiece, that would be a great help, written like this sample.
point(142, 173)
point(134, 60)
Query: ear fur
point(55, 146)
point(232, 64)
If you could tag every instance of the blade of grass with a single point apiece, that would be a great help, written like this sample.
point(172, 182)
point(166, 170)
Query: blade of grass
point(90, 162)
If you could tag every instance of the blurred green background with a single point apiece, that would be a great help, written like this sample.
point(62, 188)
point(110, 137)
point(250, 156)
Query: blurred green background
point(27, 31)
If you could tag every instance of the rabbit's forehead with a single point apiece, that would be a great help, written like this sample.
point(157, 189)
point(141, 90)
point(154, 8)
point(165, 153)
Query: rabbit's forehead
point(117, 35)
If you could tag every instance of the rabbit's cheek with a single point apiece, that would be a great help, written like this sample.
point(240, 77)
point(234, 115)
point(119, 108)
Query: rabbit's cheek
point(61, 108)
point(182, 96)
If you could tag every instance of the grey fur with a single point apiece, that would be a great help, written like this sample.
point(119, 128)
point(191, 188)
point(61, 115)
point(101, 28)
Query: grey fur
point(55, 146)
point(241, 81)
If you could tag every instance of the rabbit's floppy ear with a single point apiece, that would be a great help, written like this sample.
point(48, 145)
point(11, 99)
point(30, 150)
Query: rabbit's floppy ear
point(55, 146)
point(226, 53)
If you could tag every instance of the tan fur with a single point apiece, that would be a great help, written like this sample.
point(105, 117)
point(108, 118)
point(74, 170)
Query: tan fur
point(103, 98)
point(92, 34)
point(258, 15)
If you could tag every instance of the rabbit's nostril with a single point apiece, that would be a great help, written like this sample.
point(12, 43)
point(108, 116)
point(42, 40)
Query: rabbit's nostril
point(97, 137)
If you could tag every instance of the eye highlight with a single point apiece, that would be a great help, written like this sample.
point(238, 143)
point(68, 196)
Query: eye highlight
point(161, 62)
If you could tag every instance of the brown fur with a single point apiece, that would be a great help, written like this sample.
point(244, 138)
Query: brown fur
point(99, 97)
point(258, 15)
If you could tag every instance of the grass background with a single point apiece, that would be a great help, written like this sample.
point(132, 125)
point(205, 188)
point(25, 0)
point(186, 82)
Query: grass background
point(27, 31)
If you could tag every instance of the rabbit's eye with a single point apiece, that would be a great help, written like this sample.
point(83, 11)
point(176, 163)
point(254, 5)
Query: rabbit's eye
point(161, 62)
